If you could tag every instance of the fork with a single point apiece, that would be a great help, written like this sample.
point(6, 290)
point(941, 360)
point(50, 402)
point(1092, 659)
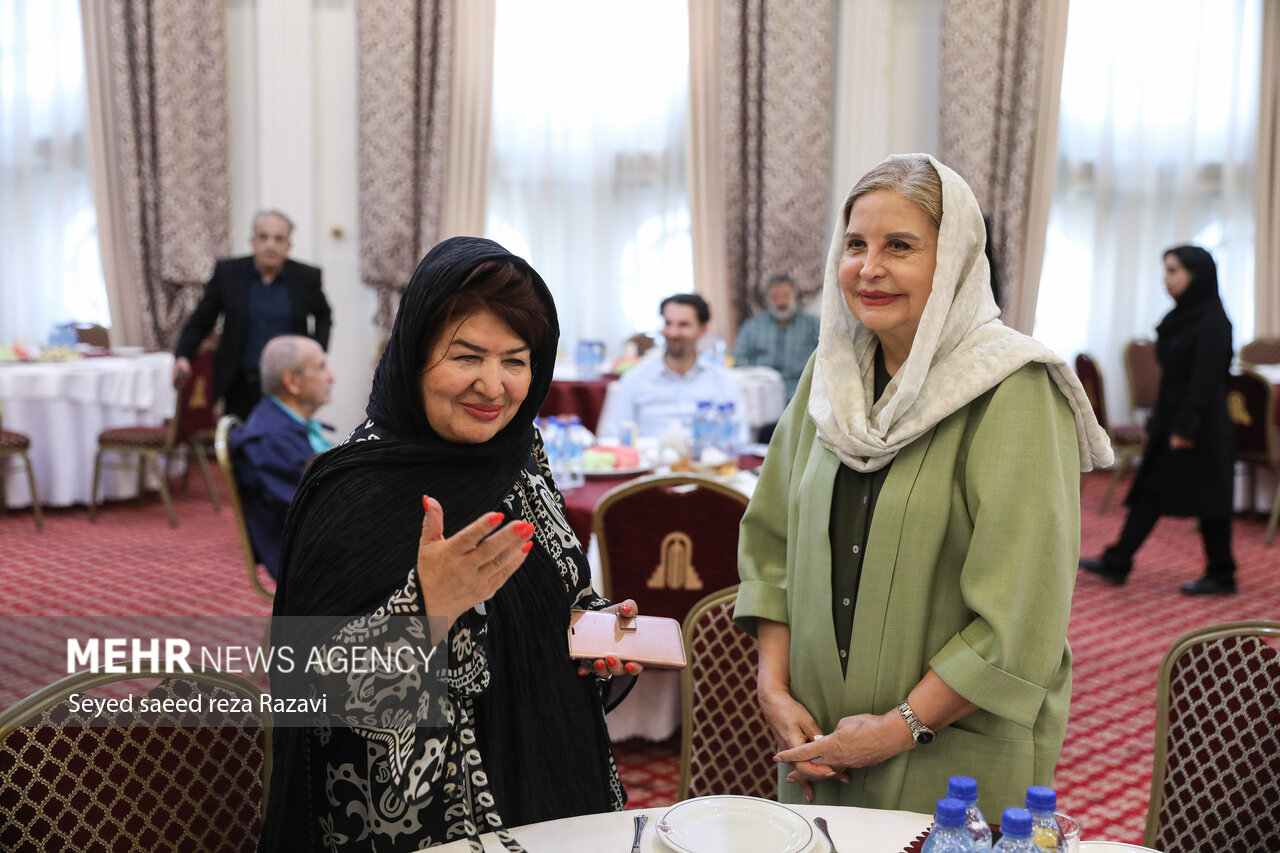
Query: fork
point(822, 824)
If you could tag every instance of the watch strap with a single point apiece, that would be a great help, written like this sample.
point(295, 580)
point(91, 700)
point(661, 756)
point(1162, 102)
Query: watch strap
point(920, 733)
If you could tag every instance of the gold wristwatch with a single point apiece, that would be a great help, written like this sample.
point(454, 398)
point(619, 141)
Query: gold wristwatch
point(920, 733)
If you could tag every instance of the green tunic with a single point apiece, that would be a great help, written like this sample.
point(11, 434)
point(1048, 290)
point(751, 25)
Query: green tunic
point(969, 570)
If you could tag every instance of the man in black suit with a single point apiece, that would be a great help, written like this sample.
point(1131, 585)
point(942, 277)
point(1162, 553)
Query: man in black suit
point(259, 297)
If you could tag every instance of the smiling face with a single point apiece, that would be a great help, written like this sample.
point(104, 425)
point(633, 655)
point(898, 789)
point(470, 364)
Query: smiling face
point(886, 272)
point(681, 330)
point(477, 375)
point(1177, 278)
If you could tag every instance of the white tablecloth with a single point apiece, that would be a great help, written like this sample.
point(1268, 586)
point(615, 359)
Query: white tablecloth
point(62, 406)
point(858, 830)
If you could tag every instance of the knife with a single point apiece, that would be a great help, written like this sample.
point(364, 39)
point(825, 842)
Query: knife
point(641, 820)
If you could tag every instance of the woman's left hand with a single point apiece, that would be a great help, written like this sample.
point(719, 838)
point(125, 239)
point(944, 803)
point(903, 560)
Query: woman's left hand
point(1177, 442)
point(858, 741)
point(610, 666)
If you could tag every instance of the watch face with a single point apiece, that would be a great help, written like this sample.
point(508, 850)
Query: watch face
point(924, 737)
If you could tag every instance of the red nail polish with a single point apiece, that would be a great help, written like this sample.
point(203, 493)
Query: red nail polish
point(526, 547)
point(524, 529)
point(626, 608)
point(425, 508)
point(599, 664)
point(630, 667)
point(612, 661)
point(495, 518)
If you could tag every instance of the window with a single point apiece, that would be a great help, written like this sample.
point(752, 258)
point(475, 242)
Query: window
point(587, 179)
point(50, 271)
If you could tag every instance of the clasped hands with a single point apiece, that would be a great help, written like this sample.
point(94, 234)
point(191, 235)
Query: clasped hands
point(459, 572)
point(861, 740)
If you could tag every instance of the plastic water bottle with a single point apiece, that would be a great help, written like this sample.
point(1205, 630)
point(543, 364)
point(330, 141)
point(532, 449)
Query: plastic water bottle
point(1015, 833)
point(965, 788)
point(704, 426)
point(948, 834)
point(575, 443)
point(550, 429)
point(727, 429)
point(1046, 833)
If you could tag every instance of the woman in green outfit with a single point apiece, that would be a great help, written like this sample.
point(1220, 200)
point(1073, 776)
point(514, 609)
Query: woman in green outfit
point(908, 557)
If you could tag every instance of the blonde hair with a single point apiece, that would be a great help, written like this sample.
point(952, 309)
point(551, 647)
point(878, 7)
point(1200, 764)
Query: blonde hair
point(913, 178)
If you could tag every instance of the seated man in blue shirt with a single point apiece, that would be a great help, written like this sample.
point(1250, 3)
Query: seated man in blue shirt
point(782, 338)
point(280, 438)
point(666, 388)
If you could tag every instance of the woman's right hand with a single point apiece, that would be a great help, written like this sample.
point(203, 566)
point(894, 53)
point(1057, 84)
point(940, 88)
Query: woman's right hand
point(467, 568)
point(792, 725)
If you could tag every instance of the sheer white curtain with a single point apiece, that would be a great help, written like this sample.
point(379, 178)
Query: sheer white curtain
point(1157, 146)
point(49, 267)
point(587, 179)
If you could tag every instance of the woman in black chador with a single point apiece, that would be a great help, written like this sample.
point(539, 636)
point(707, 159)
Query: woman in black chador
point(435, 536)
point(1188, 464)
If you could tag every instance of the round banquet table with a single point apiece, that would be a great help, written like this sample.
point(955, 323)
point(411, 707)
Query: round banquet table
point(854, 829)
point(63, 405)
point(582, 397)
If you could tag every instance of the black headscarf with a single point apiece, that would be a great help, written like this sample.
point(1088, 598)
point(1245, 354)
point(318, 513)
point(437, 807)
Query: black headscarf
point(351, 538)
point(1198, 301)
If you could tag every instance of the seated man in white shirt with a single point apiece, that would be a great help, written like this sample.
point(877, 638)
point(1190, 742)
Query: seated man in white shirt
point(666, 387)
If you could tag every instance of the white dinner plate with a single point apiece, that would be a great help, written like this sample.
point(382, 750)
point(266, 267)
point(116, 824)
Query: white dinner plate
point(1113, 847)
point(617, 472)
point(740, 824)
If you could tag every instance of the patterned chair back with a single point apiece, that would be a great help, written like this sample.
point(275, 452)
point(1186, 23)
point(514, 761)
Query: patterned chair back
point(1261, 351)
point(1216, 779)
point(135, 780)
point(667, 541)
point(1143, 373)
point(222, 449)
point(726, 743)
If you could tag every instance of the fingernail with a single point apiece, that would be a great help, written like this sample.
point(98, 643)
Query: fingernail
point(526, 548)
point(630, 667)
point(599, 664)
point(425, 507)
point(495, 518)
point(523, 529)
point(626, 608)
point(612, 661)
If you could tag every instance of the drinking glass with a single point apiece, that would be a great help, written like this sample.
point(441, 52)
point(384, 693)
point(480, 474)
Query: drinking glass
point(1070, 831)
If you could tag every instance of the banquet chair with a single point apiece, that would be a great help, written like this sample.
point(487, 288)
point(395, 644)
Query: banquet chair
point(15, 445)
point(93, 334)
point(1142, 372)
point(139, 778)
point(1251, 402)
point(155, 443)
point(668, 540)
point(222, 448)
point(1261, 351)
point(1216, 777)
point(1127, 440)
point(726, 746)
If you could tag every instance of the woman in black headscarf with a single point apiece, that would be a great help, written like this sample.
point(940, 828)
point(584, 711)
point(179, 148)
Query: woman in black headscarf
point(394, 544)
point(1188, 464)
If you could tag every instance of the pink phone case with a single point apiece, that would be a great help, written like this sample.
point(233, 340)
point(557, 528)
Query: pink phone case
point(654, 641)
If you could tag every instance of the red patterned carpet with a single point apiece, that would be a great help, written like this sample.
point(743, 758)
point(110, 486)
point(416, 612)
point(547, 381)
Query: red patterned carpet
point(131, 575)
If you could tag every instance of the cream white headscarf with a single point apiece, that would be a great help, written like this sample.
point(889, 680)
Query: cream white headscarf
point(961, 350)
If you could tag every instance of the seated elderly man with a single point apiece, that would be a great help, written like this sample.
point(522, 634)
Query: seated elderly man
point(280, 438)
point(783, 337)
point(666, 387)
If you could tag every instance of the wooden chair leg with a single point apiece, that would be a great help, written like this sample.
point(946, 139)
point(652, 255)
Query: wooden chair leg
point(35, 497)
point(93, 494)
point(163, 487)
point(198, 452)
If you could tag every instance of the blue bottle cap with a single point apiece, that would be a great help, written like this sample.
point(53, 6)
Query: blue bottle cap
point(950, 812)
point(1016, 823)
point(962, 787)
point(1041, 799)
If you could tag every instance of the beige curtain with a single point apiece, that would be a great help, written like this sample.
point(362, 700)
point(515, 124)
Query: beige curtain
point(405, 62)
point(1267, 211)
point(1001, 78)
point(776, 130)
point(705, 178)
point(466, 185)
point(158, 117)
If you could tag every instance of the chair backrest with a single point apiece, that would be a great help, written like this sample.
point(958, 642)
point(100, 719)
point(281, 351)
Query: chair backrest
point(1251, 402)
point(136, 778)
point(1216, 779)
point(1261, 351)
point(642, 342)
point(196, 416)
point(93, 334)
point(726, 744)
point(667, 541)
point(222, 449)
point(1143, 373)
point(1091, 378)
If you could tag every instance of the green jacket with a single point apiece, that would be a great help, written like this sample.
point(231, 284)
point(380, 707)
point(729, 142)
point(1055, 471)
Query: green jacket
point(969, 568)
